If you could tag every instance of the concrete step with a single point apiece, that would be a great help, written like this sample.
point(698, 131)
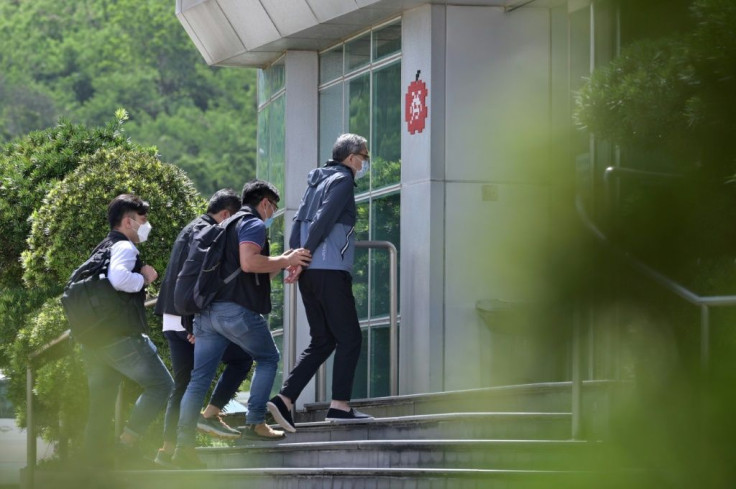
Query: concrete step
point(421, 454)
point(335, 478)
point(453, 426)
point(541, 397)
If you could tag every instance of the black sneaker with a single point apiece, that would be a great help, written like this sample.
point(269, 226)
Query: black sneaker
point(352, 416)
point(129, 457)
point(186, 458)
point(280, 414)
point(217, 427)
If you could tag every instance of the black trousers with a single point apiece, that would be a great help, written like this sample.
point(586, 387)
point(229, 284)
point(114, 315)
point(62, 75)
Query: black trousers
point(333, 326)
point(237, 365)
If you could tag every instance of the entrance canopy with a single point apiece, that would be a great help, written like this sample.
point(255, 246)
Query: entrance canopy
point(255, 32)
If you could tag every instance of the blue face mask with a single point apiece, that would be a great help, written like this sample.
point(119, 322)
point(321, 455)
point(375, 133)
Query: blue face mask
point(363, 169)
point(268, 222)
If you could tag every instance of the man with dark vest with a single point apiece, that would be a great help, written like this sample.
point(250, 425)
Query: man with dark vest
point(236, 315)
point(124, 351)
point(178, 332)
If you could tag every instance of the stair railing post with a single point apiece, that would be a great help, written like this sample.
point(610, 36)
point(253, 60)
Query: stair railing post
point(393, 328)
point(577, 397)
point(30, 431)
point(119, 411)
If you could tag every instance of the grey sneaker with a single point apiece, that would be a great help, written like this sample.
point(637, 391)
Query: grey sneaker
point(352, 416)
point(186, 458)
point(217, 427)
point(164, 459)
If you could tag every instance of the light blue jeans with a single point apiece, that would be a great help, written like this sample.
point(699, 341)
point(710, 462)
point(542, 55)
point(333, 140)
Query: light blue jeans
point(214, 329)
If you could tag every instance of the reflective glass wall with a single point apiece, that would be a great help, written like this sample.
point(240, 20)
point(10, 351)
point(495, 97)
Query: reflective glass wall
point(270, 163)
point(360, 92)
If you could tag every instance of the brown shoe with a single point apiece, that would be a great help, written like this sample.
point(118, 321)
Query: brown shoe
point(261, 432)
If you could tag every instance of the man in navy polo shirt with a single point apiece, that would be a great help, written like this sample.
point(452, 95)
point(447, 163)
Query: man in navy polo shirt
point(236, 315)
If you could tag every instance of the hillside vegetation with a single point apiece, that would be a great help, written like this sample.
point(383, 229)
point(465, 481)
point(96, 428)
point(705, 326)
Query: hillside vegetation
point(84, 59)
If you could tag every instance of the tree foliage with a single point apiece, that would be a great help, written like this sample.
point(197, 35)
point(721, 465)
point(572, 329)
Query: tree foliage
point(31, 165)
point(77, 207)
point(81, 60)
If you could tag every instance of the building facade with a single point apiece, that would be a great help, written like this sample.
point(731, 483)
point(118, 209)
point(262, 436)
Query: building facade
point(467, 110)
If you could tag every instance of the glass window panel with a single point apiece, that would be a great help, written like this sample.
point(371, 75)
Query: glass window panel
point(358, 52)
point(279, 341)
point(360, 385)
point(330, 120)
point(380, 380)
point(360, 266)
point(278, 76)
point(385, 226)
point(359, 115)
point(276, 241)
point(386, 140)
point(278, 144)
point(387, 41)
point(263, 87)
point(263, 155)
point(330, 65)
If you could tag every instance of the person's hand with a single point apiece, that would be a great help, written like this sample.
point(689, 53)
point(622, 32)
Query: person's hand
point(293, 273)
point(299, 257)
point(190, 338)
point(149, 274)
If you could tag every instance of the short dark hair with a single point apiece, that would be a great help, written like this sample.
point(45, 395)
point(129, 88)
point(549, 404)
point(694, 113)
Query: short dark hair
point(123, 204)
point(224, 199)
point(256, 190)
point(348, 144)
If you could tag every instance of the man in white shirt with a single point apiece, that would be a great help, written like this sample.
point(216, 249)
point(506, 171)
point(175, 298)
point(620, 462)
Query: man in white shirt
point(124, 350)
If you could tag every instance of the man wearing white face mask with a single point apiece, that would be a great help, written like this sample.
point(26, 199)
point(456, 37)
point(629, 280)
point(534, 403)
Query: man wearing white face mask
point(126, 352)
point(324, 224)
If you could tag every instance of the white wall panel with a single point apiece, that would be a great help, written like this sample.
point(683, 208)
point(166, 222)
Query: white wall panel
point(498, 93)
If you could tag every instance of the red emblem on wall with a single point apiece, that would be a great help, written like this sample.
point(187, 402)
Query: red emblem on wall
point(416, 105)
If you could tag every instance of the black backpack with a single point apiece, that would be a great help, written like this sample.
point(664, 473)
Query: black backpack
point(96, 312)
point(202, 275)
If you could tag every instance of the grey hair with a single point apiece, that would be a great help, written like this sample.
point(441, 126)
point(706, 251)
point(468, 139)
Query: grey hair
point(348, 144)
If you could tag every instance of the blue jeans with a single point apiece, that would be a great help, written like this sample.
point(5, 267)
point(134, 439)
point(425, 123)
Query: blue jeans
point(217, 326)
point(135, 358)
point(237, 365)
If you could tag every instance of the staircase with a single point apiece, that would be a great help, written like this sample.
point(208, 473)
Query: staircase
point(502, 437)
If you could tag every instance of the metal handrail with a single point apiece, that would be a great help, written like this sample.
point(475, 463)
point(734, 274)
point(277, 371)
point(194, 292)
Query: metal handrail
point(393, 323)
point(704, 302)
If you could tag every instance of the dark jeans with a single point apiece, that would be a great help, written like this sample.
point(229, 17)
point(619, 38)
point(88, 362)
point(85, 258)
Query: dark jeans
point(132, 357)
point(237, 364)
point(333, 326)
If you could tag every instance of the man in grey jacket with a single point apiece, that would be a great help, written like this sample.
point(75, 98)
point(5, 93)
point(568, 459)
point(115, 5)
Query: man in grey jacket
point(324, 224)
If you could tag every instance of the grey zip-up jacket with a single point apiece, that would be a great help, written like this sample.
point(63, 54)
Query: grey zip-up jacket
point(325, 221)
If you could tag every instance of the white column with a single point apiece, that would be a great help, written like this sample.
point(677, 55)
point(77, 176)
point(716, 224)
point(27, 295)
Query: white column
point(422, 331)
point(302, 138)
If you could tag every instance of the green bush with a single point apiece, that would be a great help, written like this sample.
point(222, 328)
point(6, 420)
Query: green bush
point(60, 393)
point(640, 98)
point(77, 207)
point(29, 168)
point(15, 303)
point(65, 229)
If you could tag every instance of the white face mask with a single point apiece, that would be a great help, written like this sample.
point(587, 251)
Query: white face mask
point(143, 231)
point(363, 169)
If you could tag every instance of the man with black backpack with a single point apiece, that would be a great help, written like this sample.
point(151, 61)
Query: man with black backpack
point(235, 314)
point(118, 346)
point(178, 332)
